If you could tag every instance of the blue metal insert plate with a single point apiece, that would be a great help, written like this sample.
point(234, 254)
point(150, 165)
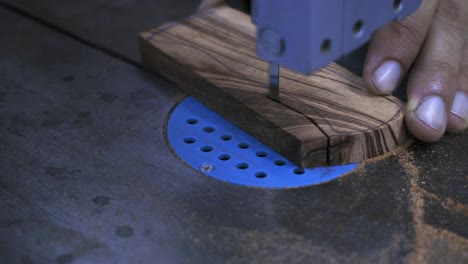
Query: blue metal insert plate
point(216, 147)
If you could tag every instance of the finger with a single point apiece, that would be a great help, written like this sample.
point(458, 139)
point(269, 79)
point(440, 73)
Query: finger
point(458, 116)
point(435, 75)
point(207, 4)
point(394, 48)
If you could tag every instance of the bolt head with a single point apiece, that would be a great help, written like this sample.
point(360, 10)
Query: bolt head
point(271, 43)
point(206, 167)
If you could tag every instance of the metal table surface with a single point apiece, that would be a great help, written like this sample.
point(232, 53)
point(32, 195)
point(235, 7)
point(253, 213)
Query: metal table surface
point(86, 175)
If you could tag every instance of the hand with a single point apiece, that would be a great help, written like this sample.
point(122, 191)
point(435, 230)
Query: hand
point(207, 4)
point(435, 39)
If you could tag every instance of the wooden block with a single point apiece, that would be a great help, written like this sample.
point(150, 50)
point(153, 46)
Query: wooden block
point(325, 118)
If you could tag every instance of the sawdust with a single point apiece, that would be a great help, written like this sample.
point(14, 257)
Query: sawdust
point(403, 148)
point(406, 161)
point(452, 239)
point(426, 237)
point(417, 207)
point(394, 152)
point(447, 203)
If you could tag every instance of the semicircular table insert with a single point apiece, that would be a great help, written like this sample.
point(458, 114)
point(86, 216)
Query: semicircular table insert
point(214, 146)
point(325, 118)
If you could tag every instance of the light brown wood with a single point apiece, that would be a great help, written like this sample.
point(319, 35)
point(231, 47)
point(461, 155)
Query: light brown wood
point(325, 118)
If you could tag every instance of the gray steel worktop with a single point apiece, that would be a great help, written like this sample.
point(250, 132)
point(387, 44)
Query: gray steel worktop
point(86, 176)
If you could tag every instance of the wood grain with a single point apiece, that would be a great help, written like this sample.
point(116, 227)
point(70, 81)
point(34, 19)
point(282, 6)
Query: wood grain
point(325, 118)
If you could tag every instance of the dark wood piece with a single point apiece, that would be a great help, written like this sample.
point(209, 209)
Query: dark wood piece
point(324, 118)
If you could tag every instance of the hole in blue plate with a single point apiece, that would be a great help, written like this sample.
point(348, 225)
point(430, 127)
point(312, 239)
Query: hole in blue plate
point(192, 132)
point(226, 137)
point(224, 157)
point(279, 162)
point(190, 140)
point(242, 166)
point(299, 171)
point(209, 129)
point(192, 121)
point(243, 145)
point(206, 148)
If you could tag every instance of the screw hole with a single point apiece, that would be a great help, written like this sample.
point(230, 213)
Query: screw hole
point(358, 28)
point(206, 148)
point(243, 145)
point(192, 121)
point(261, 174)
point(224, 157)
point(299, 171)
point(189, 140)
point(279, 162)
point(226, 137)
point(326, 46)
point(209, 129)
point(242, 166)
point(397, 6)
point(261, 154)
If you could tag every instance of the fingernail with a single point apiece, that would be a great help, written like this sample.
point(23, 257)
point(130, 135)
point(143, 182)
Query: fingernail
point(432, 112)
point(387, 76)
point(460, 105)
